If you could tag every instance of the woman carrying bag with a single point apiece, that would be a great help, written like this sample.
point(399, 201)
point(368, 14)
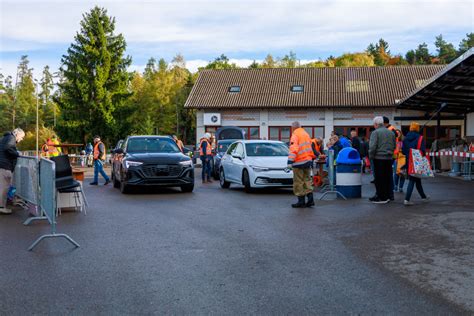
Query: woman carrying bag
point(413, 140)
point(399, 162)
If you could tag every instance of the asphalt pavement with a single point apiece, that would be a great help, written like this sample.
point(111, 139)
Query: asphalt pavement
point(218, 251)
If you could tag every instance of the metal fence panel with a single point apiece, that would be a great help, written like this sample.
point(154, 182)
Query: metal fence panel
point(48, 189)
point(26, 179)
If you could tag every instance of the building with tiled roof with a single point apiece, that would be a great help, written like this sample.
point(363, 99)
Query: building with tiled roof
point(265, 101)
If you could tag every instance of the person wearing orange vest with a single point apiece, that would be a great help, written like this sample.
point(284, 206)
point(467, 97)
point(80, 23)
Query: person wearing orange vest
point(205, 153)
point(300, 158)
point(49, 149)
point(99, 159)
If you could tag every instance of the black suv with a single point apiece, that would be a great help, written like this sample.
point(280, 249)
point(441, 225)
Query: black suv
point(151, 160)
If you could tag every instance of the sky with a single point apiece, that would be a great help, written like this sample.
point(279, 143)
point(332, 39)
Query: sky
point(243, 30)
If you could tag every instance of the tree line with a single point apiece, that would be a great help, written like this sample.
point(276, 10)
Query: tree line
point(95, 92)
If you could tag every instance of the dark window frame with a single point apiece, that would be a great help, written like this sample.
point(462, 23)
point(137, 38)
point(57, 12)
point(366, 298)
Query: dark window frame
point(297, 88)
point(234, 89)
point(247, 131)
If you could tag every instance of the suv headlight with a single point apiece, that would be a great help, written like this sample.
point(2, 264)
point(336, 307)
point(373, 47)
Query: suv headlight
point(186, 163)
point(129, 163)
point(259, 169)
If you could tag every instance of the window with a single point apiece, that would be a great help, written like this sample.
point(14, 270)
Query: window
point(234, 89)
point(297, 88)
point(231, 148)
point(152, 145)
point(362, 131)
point(357, 85)
point(251, 132)
point(315, 131)
point(239, 150)
point(266, 149)
point(281, 133)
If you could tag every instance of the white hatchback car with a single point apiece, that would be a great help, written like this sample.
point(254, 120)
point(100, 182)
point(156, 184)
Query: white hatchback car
point(256, 164)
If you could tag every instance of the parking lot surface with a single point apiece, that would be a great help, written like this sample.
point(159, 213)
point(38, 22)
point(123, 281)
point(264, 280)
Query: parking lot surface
point(218, 251)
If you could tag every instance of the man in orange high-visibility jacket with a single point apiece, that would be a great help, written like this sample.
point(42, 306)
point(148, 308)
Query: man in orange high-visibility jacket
point(99, 159)
point(300, 158)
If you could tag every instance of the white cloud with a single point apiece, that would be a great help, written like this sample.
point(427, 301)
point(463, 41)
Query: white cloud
point(245, 29)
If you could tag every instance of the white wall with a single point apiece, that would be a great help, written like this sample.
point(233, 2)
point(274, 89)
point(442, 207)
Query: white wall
point(470, 125)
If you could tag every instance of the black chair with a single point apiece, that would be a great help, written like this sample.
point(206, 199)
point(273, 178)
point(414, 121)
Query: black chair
point(65, 182)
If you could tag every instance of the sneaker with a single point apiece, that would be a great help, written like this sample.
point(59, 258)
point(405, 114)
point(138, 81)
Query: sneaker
point(94, 183)
point(426, 199)
point(107, 181)
point(379, 201)
point(408, 203)
point(5, 211)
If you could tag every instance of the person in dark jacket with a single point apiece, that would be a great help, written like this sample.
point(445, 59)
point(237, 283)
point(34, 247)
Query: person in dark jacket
point(355, 141)
point(364, 152)
point(8, 157)
point(411, 142)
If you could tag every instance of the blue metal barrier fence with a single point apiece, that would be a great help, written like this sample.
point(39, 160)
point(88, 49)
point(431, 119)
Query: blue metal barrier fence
point(47, 185)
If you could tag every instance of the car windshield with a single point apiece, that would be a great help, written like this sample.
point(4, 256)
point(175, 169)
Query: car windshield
point(152, 145)
point(222, 146)
point(266, 149)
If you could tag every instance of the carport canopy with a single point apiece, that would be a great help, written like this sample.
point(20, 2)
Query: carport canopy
point(451, 90)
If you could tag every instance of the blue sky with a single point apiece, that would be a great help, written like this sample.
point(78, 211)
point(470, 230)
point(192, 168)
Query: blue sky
point(243, 30)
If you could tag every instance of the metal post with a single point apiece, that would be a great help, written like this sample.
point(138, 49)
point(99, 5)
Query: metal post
point(37, 120)
point(331, 178)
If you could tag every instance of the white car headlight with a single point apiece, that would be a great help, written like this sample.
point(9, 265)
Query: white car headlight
point(186, 163)
point(129, 163)
point(259, 169)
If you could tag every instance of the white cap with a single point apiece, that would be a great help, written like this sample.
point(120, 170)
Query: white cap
point(207, 135)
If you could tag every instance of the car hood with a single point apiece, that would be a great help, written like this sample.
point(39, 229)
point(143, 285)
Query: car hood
point(268, 162)
point(161, 158)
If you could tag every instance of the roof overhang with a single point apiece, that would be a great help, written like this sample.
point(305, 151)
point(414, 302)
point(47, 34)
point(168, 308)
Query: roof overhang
point(452, 86)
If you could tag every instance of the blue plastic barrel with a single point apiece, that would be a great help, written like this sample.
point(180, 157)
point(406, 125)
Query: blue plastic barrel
point(348, 173)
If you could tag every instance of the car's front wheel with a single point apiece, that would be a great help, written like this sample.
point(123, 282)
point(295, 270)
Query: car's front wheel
point(187, 188)
point(224, 184)
point(246, 181)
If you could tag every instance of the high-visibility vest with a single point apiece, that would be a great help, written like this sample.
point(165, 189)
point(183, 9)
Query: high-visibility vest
point(58, 148)
point(208, 147)
point(300, 148)
point(314, 141)
point(52, 150)
point(97, 152)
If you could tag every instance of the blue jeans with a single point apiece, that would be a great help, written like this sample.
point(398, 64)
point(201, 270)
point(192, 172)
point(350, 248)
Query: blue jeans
point(412, 181)
point(99, 168)
point(206, 168)
point(398, 180)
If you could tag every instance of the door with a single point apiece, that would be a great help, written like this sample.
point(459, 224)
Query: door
point(238, 164)
point(235, 163)
point(226, 161)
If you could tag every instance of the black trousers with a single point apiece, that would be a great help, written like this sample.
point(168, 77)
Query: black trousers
point(383, 177)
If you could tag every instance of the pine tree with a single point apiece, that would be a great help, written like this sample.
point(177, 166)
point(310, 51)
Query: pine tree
point(466, 43)
point(24, 111)
point(48, 106)
point(95, 80)
point(446, 51)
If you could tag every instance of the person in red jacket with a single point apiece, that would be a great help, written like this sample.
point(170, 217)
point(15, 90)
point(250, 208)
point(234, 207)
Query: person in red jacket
point(300, 158)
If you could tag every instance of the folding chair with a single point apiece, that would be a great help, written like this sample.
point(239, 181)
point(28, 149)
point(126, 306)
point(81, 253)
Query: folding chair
point(65, 182)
